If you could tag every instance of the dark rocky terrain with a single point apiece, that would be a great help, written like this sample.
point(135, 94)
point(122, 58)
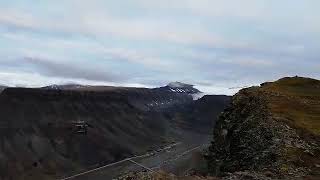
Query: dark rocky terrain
point(204, 112)
point(2, 88)
point(270, 132)
point(48, 133)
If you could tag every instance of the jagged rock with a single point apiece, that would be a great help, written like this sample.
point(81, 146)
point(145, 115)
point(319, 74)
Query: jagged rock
point(269, 132)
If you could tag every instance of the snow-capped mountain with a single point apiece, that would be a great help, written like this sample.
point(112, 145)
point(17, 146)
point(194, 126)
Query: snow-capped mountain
point(64, 87)
point(52, 87)
point(179, 87)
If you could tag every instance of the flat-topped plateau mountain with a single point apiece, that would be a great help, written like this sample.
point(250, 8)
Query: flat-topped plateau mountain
point(53, 132)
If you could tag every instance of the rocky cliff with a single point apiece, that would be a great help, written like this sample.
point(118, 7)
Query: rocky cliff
point(269, 132)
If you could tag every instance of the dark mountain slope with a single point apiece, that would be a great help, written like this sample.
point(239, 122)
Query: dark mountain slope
point(40, 139)
point(2, 88)
point(38, 134)
point(143, 98)
point(272, 131)
point(199, 115)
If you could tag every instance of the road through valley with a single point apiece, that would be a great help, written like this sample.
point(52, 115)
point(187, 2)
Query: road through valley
point(175, 158)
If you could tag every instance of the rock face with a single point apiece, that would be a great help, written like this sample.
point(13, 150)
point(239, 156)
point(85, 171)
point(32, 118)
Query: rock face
point(2, 88)
point(269, 132)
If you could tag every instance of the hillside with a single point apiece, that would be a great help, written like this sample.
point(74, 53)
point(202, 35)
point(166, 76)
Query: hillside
point(39, 136)
point(2, 88)
point(271, 131)
point(53, 133)
point(204, 112)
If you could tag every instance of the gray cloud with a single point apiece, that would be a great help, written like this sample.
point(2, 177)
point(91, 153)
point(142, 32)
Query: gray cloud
point(209, 43)
point(65, 70)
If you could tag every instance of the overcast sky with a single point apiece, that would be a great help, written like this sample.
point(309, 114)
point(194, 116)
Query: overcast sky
point(212, 44)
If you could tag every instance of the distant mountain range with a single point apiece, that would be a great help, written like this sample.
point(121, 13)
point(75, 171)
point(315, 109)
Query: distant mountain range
point(40, 126)
point(176, 87)
point(64, 87)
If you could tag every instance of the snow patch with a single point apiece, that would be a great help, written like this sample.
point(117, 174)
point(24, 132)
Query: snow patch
point(197, 96)
point(178, 85)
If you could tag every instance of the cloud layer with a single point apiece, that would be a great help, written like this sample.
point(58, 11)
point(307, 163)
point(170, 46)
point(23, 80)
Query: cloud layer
point(213, 44)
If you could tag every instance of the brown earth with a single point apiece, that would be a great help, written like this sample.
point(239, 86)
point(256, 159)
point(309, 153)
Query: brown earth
point(270, 132)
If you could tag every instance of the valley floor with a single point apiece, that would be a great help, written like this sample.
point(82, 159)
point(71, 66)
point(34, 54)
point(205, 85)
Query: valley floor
point(175, 159)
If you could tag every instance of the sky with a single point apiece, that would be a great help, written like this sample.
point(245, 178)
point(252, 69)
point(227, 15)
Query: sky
point(215, 45)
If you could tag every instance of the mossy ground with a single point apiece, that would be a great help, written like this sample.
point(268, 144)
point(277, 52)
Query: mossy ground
point(296, 101)
point(271, 130)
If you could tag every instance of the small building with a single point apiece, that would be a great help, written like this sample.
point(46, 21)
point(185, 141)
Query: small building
point(80, 127)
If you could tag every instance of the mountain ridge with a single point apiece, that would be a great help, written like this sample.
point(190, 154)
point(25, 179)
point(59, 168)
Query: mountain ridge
point(40, 128)
point(270, 132)
point(178, 87)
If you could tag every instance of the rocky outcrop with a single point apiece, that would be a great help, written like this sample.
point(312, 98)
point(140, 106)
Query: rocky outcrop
point(269, 132)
